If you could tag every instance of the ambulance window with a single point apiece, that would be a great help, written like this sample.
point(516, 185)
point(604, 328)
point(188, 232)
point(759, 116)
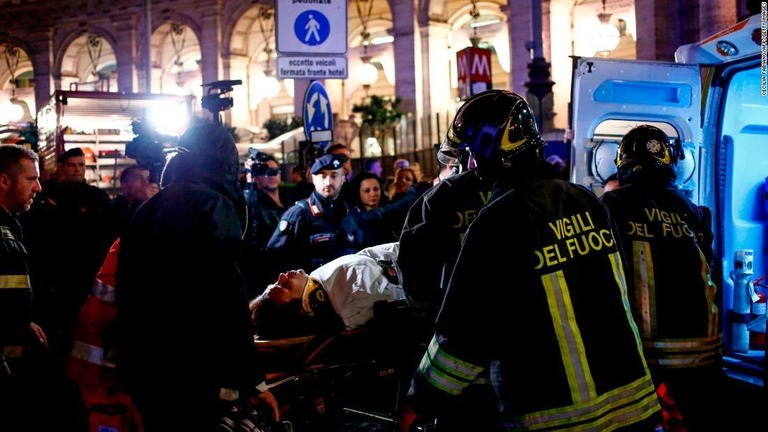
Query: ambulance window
point(616, 129)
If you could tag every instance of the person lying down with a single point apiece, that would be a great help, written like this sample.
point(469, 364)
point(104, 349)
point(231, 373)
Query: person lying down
point(336, 296)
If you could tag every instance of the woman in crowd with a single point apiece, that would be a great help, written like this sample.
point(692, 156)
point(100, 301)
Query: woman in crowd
point(368, 194)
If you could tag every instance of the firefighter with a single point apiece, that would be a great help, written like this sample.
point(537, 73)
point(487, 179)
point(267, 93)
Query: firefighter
point(537, 295)
point(21, 339)
point(668, 242)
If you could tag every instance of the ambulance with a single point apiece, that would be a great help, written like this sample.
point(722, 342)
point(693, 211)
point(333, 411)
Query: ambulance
point(713, 100)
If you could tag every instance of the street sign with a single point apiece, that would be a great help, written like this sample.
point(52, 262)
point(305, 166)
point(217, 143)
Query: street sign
point(312, 67)
point(474, 67)
point(318, 116)
point(311, 27)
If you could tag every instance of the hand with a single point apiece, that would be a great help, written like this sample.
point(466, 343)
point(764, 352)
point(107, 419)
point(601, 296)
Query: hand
point(152, 189)
point(39, 334)
point(269, 399)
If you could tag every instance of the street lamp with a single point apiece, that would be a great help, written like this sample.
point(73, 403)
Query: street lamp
point(605, 37)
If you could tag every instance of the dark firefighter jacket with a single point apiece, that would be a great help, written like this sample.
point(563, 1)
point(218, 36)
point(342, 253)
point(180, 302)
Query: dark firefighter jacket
point(15, 289)
point(189, 313)
point(540, 276)
point(432, 235)
point(668, 243)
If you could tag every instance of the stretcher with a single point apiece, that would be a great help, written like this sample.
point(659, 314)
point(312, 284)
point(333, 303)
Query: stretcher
point(346, 379)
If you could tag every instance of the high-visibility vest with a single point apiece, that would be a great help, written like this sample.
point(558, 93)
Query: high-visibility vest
point(91, 361)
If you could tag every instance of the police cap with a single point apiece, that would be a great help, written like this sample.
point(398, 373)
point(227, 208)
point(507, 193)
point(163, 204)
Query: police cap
point(328, 162)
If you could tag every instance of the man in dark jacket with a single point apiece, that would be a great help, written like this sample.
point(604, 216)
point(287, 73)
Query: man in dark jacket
point(668, 242)
point(67, 244)
point(189, 312)
point(135, 188)
point(265, 207)
point(19, 396)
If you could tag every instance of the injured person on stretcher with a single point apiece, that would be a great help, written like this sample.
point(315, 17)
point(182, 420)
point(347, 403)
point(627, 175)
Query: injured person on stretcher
point(333, 341)
point(337, 296)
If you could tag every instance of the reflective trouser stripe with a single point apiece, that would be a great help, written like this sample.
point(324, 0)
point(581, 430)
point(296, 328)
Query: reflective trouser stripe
point(14, 281)
point(103, 291)
point(610, 411)
point(446, 372)
point(683, 353)
point(90, 353)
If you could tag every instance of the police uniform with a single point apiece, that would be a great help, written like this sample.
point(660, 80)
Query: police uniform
point(309, 233)
point(540, 277)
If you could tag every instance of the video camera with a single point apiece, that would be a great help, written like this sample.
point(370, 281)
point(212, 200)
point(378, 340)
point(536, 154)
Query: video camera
point(259, 168)
point(214, 100)
point(149, 147)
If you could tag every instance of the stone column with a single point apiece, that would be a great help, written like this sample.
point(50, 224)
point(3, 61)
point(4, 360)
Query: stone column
point(125, 52)
point(519, 23)
point(41, 44)
point(210, 42)
point(240, 112)
point(656, 38)
point(714, 16)
point(408, 66)
point(436, 83)
point(299, 88)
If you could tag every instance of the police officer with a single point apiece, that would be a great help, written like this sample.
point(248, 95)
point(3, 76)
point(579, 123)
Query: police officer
point(309, 234)
point(537, 294)
point(19, 334)
point(668, 242)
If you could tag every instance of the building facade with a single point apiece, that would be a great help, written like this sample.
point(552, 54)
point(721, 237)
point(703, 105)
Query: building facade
point(174, 46)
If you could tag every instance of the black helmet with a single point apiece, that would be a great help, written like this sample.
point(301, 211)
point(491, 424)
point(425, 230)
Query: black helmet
point(496, 126)
point(642, 148)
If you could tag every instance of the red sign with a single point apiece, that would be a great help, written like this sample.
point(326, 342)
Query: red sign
point(474, 67)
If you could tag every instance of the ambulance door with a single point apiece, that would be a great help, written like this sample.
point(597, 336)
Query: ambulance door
point(610, 96)
point(736, 139)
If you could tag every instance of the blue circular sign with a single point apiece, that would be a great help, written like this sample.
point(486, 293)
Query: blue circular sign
point(318, 116)
point(312, 28)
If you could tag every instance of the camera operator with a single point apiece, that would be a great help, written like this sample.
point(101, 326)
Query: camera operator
point(265, 207)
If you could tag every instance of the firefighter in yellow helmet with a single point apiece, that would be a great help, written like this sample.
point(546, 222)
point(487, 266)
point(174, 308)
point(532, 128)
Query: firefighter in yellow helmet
point(537, 295)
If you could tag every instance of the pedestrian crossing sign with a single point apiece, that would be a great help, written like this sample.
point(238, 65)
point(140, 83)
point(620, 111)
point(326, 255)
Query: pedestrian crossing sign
point(316, 27)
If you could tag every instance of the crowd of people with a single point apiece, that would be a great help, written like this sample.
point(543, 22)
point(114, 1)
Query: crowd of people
point(543, 306)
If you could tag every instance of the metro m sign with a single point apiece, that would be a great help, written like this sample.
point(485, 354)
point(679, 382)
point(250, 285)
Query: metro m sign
point(474, 67)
